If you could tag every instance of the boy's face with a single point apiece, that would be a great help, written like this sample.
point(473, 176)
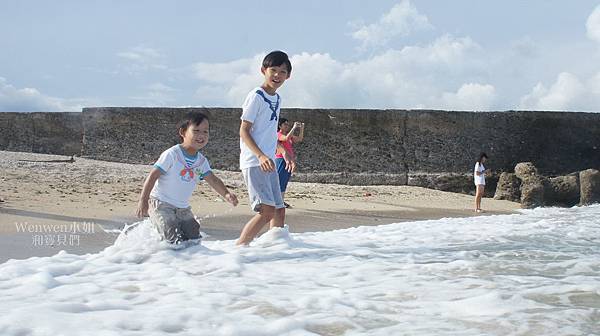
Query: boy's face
point(275, 75)
point(195, 136)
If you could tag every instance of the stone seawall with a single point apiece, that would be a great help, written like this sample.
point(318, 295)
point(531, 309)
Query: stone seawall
point(417, 147)
point(41, 132)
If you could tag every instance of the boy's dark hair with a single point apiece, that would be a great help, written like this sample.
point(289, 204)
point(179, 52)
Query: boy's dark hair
point(277, 58)
point(191, 118)
point(280, 122)
point(481, 156)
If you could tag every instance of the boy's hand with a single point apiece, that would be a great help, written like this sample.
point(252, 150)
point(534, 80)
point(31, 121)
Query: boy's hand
point(266, 164)
point(142, 210)
point(231, 198)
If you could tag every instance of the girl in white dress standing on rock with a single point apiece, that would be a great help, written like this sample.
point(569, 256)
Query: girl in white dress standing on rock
point(479, 178)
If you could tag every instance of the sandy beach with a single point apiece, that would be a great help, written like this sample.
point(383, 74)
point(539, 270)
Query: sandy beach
point(48, 205)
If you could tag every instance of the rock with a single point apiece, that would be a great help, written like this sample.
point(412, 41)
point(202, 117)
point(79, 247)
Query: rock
point(509, 188)
point(590, 186)
point(562, 190)
point(532, 192)
point(524, 170)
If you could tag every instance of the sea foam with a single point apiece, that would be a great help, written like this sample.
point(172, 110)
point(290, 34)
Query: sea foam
point(534, 273)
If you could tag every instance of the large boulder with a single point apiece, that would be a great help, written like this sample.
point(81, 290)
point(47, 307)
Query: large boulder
point(525, 170)
point(509, 188)
point(590, 186)
point(562, 190)
point(532, 192)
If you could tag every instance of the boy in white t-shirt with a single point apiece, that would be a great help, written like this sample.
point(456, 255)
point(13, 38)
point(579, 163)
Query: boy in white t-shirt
point(170, 184)
point(258, 143)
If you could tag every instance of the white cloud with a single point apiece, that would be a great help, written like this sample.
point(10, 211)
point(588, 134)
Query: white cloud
point(567, 92)
point(412, 77)
point(593, 25)
point(470, 96)
point(140, 54)
point(227, 83)
point(401, 20)
point(31, 100)
point(222, 72)
point(453, 73)
point(594, 85)
point(141, 59)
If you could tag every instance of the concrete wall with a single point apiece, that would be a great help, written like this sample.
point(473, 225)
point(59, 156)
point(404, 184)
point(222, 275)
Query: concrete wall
point(368, 141)
point(427, 148)
point(41, 132)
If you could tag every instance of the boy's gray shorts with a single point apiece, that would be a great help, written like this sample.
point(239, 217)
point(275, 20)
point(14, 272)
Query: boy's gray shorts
point(263, 188)
point(175, 225)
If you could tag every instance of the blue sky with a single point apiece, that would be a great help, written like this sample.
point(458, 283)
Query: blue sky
point(459, 55)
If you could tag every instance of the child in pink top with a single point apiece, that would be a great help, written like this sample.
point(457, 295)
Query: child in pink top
point(285, 151)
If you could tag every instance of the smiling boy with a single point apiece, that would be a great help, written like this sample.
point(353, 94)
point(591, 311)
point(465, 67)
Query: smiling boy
point(169, 186)
point(258, 143)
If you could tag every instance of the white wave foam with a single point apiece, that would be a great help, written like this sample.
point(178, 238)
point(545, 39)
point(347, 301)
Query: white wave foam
point(534, 273)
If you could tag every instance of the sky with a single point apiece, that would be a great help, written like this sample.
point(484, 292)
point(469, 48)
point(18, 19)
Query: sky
point(422, 54)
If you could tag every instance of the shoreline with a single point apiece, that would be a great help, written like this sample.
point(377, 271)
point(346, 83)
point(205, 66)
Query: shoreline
point(50, 194)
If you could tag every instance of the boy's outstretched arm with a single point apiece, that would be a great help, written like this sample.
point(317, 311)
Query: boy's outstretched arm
point(220, 188)
point(266, 164)
point(142, 210)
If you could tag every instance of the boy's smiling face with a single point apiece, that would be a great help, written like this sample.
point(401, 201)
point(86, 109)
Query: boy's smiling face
point(195, 136)
point(275, 76)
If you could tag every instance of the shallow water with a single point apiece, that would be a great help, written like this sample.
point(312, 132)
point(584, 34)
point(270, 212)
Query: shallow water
point(536, 273)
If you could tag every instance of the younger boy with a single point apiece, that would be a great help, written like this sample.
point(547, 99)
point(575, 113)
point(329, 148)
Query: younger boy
point(177, 171)
point(258, 143)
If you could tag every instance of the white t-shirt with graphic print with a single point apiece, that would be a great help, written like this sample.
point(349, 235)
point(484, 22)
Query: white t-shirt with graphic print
point(180, 174)
point(262, 110)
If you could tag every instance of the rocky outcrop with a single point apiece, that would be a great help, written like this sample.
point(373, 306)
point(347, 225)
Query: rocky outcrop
point(533, 189)
point(562, 190)
point(525, 170)
point(532, 192)
point(590, 186)
point(532, 185)
point(509, 188)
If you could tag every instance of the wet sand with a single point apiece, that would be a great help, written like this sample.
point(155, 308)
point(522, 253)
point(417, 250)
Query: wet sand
point(79, 207)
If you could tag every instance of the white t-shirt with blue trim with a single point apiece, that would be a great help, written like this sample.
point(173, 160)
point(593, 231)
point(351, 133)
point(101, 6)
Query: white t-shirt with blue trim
point(262, 110)
point(180, 174)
